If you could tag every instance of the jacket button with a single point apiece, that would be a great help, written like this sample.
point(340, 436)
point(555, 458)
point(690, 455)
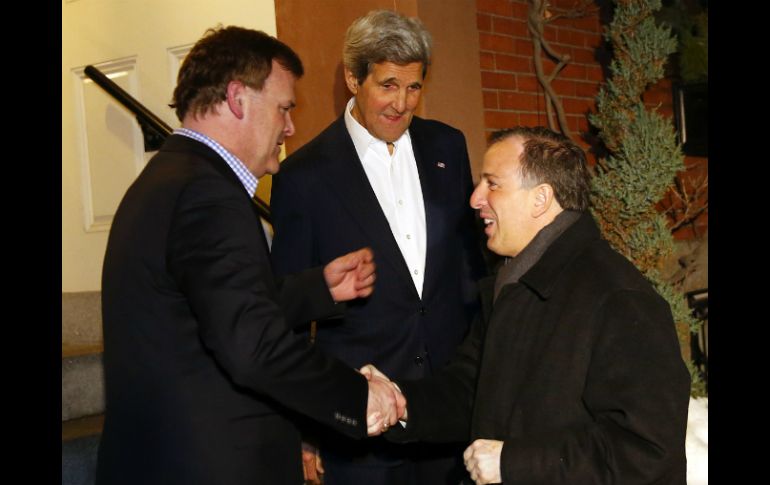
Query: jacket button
point(418, 360)
point(422, 310)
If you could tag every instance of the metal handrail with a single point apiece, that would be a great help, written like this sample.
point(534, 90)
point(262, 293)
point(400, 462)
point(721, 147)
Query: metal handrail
point(154, 129)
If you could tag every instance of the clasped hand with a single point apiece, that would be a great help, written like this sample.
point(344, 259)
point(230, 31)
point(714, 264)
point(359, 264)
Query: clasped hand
point(386, 404)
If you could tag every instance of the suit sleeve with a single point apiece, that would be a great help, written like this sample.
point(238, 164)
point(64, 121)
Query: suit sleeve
point(637, 391)
point(440, 407)
point(216, 257)
point(304, 296)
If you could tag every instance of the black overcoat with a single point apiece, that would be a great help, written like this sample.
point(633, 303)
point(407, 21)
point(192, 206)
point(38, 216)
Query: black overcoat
point(576, 368)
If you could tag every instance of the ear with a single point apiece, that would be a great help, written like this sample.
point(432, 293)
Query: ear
point(235, 92)
point(544, 199)
point(351, 81)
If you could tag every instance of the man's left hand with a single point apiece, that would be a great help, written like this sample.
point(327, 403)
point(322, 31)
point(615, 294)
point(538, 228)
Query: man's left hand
point(482, 460)
point(351, 276)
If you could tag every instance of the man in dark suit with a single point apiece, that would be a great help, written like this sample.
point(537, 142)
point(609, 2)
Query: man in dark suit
point(381, 177)
point(573, 372)
point(202, 371)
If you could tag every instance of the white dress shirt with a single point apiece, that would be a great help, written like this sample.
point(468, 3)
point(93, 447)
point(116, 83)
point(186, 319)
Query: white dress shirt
point(396, 183)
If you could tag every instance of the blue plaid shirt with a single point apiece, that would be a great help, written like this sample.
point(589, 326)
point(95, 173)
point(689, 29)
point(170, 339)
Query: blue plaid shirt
point(247, 178)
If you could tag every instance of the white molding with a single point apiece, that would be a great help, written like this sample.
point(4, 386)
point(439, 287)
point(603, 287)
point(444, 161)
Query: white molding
point(126, 66)
point(175, 57)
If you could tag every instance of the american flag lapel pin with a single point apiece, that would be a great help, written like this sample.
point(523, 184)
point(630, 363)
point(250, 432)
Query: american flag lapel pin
point(440, 165)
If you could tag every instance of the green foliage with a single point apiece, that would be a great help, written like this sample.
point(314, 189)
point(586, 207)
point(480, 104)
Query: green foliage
point(644, 156)
point(689, 22)
point(694, 59)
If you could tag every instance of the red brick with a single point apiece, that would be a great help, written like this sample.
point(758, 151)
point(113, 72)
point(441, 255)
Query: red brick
point(487, 60)
point(593, 40)
point(584, 55)
point(497, 43)
point(594, 73)
point(577, 39)
point(583, 125)
point(502, 25)
point(484, 22)
point(523, 47)
point(697, 165)
point(654, 97)
point(663, 84)
point(573, 123)
point(496, 80)
point(563, 87)
point(551, 33)
point(586, 90)
point(500, 119)
point(563, 36)
point(573, 71)
point(490, 99)
point(563, 50)
point(520, 28)
point(499, 7)
point(514, 63)
point(526, 83)
point(533, 119)
point(520, 9)
point(520, 101)
point(563, 4)
point(589, 23)
point(577, 106)
point(548, 65)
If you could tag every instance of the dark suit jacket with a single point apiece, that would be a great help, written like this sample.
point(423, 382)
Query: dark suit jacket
point(201, 366)
point(576, 368)
point(323, 206)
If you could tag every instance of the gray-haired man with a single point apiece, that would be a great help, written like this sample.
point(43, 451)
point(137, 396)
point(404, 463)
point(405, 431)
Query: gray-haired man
point(382, 177)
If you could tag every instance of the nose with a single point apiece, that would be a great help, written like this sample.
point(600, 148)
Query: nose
point(288, 130)
point(399, 103)
point(479, 196)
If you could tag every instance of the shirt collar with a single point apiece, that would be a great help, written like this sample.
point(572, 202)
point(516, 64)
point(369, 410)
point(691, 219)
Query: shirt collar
point(362, 139)
point(247, 178)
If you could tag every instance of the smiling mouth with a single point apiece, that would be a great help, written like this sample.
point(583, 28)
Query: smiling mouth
point(489, 224)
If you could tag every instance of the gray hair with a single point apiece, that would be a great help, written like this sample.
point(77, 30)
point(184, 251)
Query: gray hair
point(385, 36)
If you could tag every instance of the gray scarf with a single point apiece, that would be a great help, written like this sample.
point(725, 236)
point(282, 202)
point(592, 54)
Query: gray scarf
point(514, 268)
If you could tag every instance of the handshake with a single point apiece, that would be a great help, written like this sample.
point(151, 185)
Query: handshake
point(386, 405)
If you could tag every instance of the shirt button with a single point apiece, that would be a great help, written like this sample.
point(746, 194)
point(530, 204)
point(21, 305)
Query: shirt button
point(409, 236)
point(400, 202)
point(415, 271)
point(418, 360)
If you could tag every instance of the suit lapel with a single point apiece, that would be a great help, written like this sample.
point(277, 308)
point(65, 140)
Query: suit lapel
point(430, 183)
point(348, 180)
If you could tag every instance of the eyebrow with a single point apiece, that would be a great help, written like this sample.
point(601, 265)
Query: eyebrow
point(394, 80)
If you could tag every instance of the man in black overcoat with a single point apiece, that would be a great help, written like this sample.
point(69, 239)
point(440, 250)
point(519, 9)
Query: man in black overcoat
point(573, 372)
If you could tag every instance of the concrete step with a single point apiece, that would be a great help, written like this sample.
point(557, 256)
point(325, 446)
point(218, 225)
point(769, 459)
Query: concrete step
point(82, 373)
point(82, 384)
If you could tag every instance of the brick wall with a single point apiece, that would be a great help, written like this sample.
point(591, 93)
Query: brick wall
point(512, 94)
